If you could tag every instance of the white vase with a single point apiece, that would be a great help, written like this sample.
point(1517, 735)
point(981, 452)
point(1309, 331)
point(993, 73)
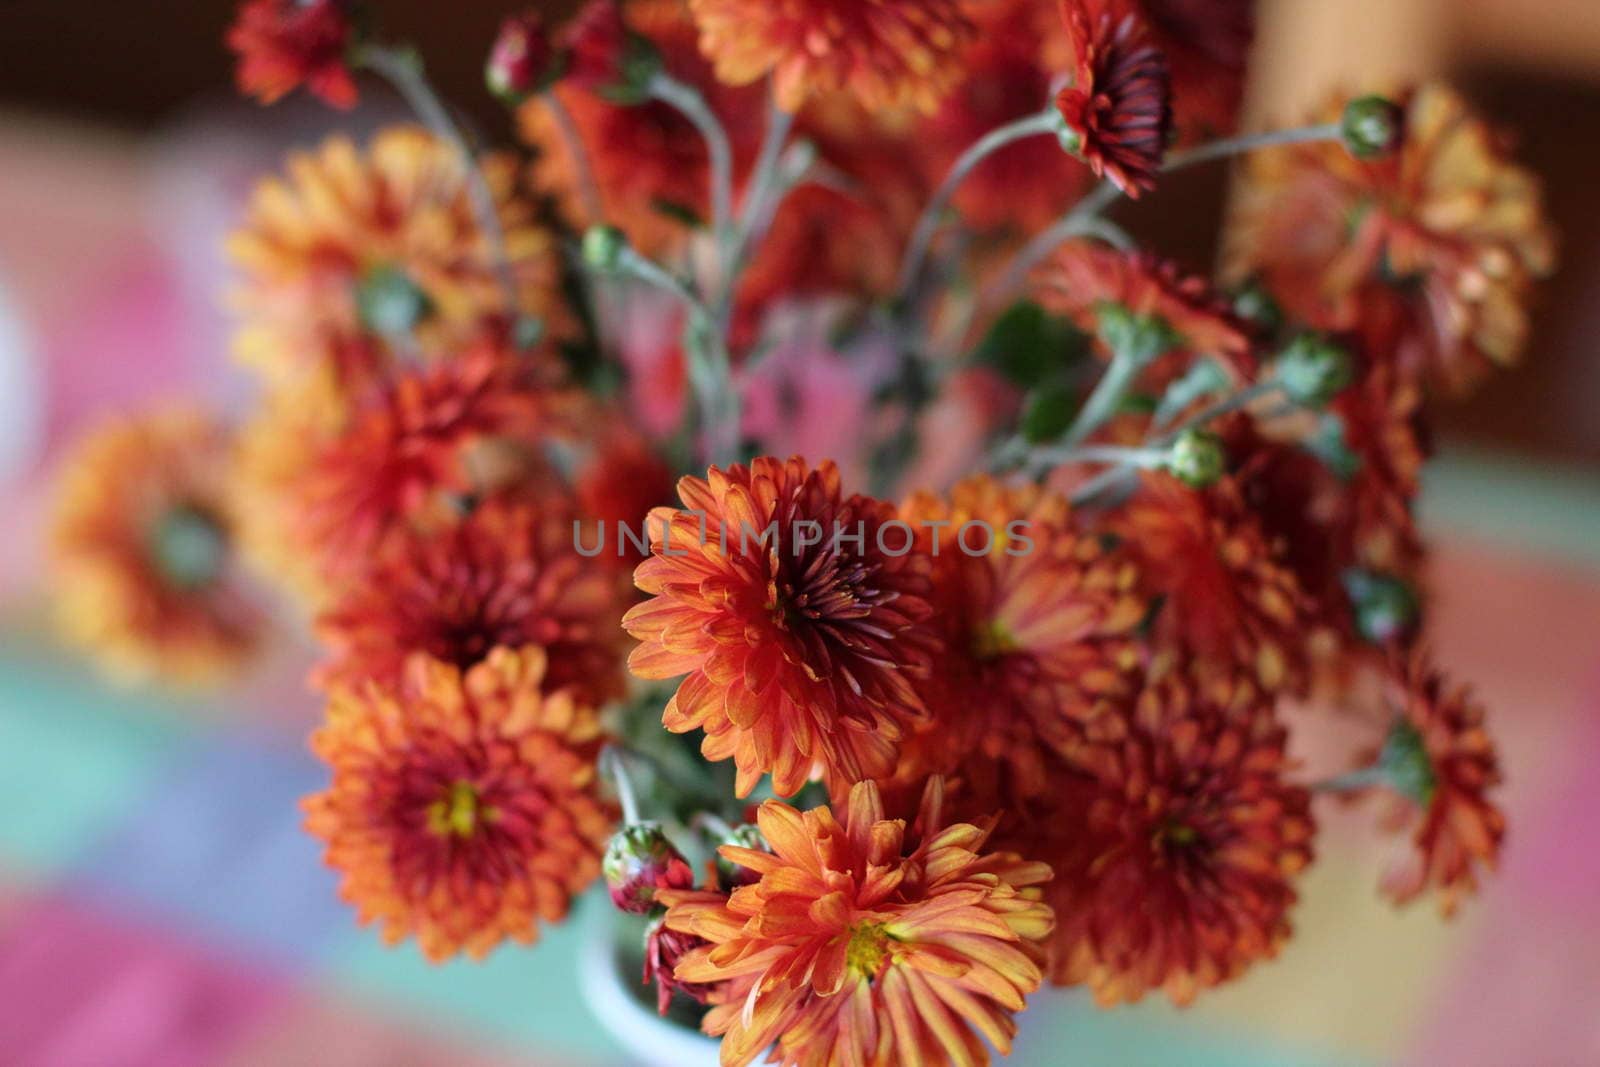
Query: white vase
point(634, 1023)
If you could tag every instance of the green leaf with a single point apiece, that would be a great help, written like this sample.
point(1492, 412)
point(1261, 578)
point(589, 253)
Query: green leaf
point(1048, 412)
point(1029, 345)
point(678, 212)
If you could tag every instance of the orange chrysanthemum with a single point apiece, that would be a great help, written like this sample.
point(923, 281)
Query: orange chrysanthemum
point(801, 648)
point(1429, 253)
point(506, 575)
point(1032, 642)
point(1007, 75)
point(1174, 846)
point(142, 550)
point(1084, 276)
point(1440, 764)
point(429, 435)
point(1119, 105)
point(284, 44)
point(357, 261)
point(463, 808)
point(648, 161)
point(887, 54)
point(1229, 606)
point(857, 946)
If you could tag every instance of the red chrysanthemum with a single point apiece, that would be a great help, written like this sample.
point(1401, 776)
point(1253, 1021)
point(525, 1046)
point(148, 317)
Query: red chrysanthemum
point(464, 807)
point(1082, 277)
point(617, 487)
point(145, 575)
point(800, 656)
point(1119, 105)
point(664, 948)
point(1174, 843)
point(410, 448)
point(887, 54)
point(1440, 764)
point(506, 575)
point(1036, 625)
point(857, 946)
point(1429, 253)
point(284, 44)
point(1229, 606)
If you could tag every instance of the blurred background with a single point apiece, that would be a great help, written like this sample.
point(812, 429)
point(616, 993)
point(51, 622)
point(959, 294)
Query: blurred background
point(158, 902)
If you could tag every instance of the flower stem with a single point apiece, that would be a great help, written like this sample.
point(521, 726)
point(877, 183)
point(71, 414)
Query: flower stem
point(1352, 781)
point(578, 152)
point(1233, 146)
point(1042, 122)
point(688, 101)
point(1226, 406)
point(760, 189)
point(1084, 219)
point(403, 70)
point(614, 766)
point(1119, 455)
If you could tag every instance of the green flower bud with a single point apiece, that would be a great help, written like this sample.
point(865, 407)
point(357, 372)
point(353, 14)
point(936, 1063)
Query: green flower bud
point(1385, 607)
point(603, 248)
point(1371, 127)
point(1197, 458)
point(1313, 370)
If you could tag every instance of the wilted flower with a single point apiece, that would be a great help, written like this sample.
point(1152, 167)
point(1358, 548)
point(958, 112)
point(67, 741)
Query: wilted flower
point(1429, 252)
point(284, 44)
point(464, 807)
point(1440, 765)
point(143, 555)
point(887, 54)
point(1118, 109)
point(858, 945)
point(800, 652)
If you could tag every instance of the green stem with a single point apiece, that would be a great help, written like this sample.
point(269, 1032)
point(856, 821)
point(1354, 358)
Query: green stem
point(1352, 781)
point(688, 101)
point(578, 152)
point(1108, 393)
point(1233, 146)
point(403, 70)
point(1226, 406)
point(761, 188)
point(1084, 219)
point(1115, 454)
point(613, 766)
point(1047, 121)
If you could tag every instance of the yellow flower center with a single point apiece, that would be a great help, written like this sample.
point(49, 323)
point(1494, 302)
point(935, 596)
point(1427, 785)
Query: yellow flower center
point(458, 812)
point(991, 640)
point(868, 948)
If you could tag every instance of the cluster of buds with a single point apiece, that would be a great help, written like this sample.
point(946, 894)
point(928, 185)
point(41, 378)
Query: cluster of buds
point(597, 52)
point(639, 863)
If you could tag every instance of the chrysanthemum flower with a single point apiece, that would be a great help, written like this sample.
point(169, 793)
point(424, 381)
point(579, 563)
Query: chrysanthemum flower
point(1082, 277)
point(1174, 846)
point(145, 576)
point(463, 808)
point(427, 435)
point(506, 575)
point(798, 624)
point(857, 946)
point(356, 261)
point(887, 54)
point(1429, 253)
point(1036, 623)
point(1008, 74)
point(664, 947)
point(1440, 764)
point(648, 161)
point(1118, 108)
point(1230, 607)
point(284, 44)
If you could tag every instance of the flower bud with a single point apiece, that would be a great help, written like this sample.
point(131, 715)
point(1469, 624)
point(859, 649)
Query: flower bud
point(1371, 127)
point(603, 248)
point(1386, 608)
point(606, 57)
point(663, 948)
point(1313, 370)
point(731, 875)
point(639, 861)
point(522, 62)
point(1255, 304)
point(1197, 458)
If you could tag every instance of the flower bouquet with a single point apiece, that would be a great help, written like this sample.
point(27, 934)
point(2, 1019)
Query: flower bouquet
point(785, 491)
